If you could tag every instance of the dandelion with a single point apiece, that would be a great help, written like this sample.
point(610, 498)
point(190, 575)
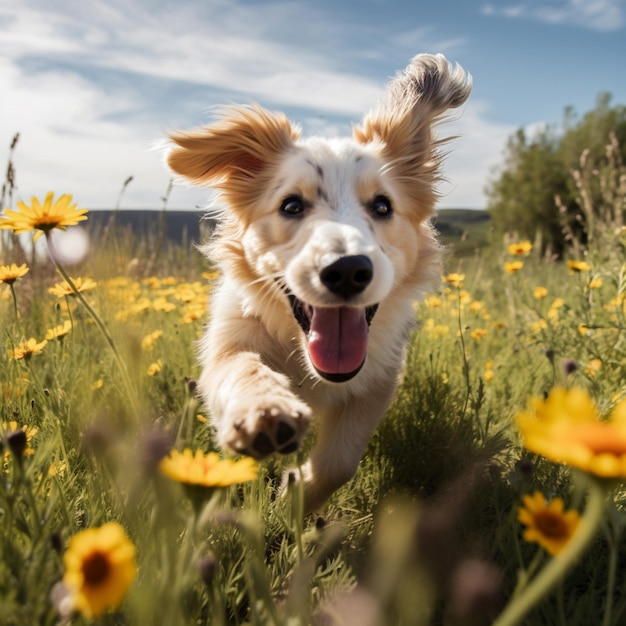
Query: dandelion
point(207, 470)
point(26, 349)
point(99, 568)
point(455, 279)
point(522, 248)
point(512, 267)
point(43, 218)
point(10, 273)
point(547, 524)
point(59, 332)
point(540, 293)
point(567, 428)
point(64, 289)
point(576, 267)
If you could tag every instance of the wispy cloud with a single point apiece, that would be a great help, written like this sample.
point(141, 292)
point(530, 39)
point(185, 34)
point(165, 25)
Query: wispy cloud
point(599, 15)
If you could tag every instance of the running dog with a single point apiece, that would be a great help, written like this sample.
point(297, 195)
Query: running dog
point(324, 245)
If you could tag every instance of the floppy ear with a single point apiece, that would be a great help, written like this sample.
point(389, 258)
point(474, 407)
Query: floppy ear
point(244, 142)
point(416, 98)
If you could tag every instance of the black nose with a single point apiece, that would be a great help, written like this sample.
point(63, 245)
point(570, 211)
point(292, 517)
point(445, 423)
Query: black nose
point(348, 275)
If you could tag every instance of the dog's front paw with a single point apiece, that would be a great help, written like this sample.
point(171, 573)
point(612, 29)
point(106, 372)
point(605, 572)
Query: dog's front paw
point(275, 426)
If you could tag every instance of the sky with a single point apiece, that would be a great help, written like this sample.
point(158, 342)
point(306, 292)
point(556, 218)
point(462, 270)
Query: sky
point(92, 87)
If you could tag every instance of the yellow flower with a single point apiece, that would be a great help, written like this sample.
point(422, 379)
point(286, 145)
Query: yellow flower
point(549, 525)
point(436, 331)
point(478, 333)
point(58, 332)
point(207, 470)
point(154, 368)
point(567, 428)
point(11, 427)
point(99, 568)
point(488, 371)
point(433, 302)
point(43, 218)
point(26, 349)
point(513, 266)
point(454, 279)
point(540, 293)
point(149, 341)
point(522, 248)
point(62, 289)
point(578, 266)
point(10, 273)
point(596, 283)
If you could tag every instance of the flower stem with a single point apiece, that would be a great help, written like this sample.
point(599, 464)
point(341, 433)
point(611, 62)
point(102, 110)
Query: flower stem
point(14, 301)
point(99, 323)
point(556, 569)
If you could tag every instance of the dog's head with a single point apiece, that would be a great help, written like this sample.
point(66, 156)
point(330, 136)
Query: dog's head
point(332, 227)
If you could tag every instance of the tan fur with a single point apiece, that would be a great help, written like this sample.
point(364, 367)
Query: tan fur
point(258, 378)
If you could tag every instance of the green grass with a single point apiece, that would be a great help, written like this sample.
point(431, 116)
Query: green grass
point(435, 496)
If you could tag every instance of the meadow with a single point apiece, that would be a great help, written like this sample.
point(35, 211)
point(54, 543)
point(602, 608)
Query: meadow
point(491, 493)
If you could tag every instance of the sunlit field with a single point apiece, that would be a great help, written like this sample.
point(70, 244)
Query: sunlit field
point(491, 493)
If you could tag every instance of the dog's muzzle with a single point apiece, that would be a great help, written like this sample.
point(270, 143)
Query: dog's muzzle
point(337, 336)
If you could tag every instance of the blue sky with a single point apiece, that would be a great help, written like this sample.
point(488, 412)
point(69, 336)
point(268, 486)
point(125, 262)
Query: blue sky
point(91, 86)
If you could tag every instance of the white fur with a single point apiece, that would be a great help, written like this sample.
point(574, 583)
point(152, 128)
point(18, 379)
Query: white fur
point(257, 376)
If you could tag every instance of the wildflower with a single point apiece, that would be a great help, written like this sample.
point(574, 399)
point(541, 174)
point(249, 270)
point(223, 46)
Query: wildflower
point(433, 302)
point(43, 218)
point(583, 330)
point(99, 568)
point(547, 524)
point(26, 349)
point(63, 289)
point(436, 331)
point(567, 428)
point(596, 283)
point(593, 367)
point(578, 266)
point(207, 470)
point(522, 248)
point(478, 333)
point(155, 367)
point(553, 311)
point(149, 341)
point(10, 273)
point(513, 266)
point(488, 371)
point(10, 428)
point(540, 292)
point(454, 279)
point(537, 326)
point(59, 332)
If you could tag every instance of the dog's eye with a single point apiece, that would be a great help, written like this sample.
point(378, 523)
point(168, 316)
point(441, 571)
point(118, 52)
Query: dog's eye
point(381, 207)
point(292, 206)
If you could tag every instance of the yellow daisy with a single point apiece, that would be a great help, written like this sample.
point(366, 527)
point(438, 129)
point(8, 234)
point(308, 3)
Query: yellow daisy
point(26, 349)
point(578, 266)
point(547, 524)
point(60, 331)
point(207, 470)
point(10, 273)
point(455, 279)
point(522, 248)
point(567, 428)
point(63, 289)
point(43, 217)
point(540, 292)
point(99, 568)
point(513, 266)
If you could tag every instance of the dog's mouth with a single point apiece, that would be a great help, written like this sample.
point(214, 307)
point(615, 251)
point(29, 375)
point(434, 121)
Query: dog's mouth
point(336, 337)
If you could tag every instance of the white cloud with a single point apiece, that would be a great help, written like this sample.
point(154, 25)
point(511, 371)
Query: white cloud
point(599, 15)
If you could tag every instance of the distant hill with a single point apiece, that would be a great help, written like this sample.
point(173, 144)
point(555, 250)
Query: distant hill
point(463, 230)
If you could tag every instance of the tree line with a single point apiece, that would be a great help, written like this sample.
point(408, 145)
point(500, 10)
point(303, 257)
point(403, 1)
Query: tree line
point(539, 194)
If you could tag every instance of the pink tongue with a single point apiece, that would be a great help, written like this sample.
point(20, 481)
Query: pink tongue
point(338, 339)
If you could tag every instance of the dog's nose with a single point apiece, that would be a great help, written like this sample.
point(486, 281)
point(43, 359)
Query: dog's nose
point(348, 275)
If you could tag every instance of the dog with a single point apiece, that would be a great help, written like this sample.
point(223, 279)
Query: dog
point(324, 245)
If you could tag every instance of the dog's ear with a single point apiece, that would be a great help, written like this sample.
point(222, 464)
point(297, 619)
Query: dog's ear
point(241, 144)
point(416, 98)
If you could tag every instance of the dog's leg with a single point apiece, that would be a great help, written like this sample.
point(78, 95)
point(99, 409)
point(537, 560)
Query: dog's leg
point(342, 437)
point(252, 407)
